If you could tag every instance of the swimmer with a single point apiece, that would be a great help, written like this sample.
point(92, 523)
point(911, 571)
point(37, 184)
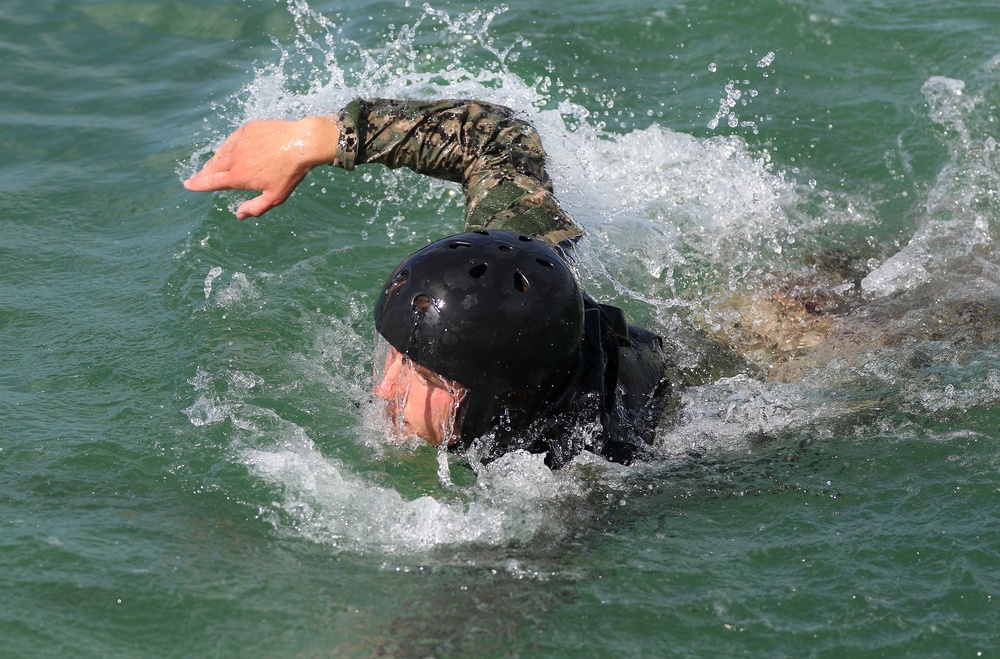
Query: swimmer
point(488, 339)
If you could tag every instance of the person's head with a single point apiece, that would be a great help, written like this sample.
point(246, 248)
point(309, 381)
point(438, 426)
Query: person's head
point(483, 328)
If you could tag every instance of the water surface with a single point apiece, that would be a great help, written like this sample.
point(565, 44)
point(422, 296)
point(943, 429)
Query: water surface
point(188, 464)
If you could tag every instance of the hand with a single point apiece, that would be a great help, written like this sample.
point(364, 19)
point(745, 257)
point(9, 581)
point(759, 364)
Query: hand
point(272, 156)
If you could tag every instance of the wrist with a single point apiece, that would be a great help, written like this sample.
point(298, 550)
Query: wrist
point(319, 136)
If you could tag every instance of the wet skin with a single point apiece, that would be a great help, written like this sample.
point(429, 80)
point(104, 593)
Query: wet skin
point(420, 402)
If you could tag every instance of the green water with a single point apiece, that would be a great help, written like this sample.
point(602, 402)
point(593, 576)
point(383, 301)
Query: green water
point(187, 463)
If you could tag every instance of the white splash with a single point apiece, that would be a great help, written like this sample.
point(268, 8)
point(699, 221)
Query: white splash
point(214, 273)
point(239, 291)
point(724, 415)
point(959, 217)
point(320, 499)
point(659, 203)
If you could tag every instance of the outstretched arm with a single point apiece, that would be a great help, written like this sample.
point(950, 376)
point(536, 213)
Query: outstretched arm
point(496, 157)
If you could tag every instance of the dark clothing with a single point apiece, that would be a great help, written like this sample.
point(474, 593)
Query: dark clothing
point(612, 400)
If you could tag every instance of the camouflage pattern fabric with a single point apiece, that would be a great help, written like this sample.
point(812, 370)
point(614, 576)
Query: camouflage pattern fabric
point(498, 159)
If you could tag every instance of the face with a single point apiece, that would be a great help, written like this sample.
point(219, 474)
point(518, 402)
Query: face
point(419, 402)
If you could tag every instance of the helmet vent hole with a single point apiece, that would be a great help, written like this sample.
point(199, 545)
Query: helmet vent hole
point(422, 302)
point(521, 282)
point(546, 263)
point(524, 239)
point(478, 271)
point(505, 248)
point(397, 282)
point(457, 244)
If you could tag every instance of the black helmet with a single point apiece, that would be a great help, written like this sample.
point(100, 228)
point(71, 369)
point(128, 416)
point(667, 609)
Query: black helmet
point(496, 311)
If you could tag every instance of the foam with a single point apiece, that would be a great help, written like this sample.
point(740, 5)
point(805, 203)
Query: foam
point(730, 413)
point(323, 501)
point(514, 499)
point(959, 217)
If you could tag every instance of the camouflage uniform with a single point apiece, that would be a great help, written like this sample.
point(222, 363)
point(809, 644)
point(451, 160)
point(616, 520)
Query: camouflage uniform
point(619, 380)
point(496, 157)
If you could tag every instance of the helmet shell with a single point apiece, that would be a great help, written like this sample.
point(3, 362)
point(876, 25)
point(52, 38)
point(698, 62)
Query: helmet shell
point(497, 311)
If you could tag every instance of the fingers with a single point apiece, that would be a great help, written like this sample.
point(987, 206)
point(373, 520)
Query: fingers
point(255, 207)
point(215, 174)
point(267, 156)
point(208, 181)
point(212, 179)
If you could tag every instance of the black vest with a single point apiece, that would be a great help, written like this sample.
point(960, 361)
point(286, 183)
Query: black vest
point(610, 403)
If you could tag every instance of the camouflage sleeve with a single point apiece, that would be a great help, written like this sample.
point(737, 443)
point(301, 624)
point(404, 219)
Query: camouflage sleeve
point(497, 158)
